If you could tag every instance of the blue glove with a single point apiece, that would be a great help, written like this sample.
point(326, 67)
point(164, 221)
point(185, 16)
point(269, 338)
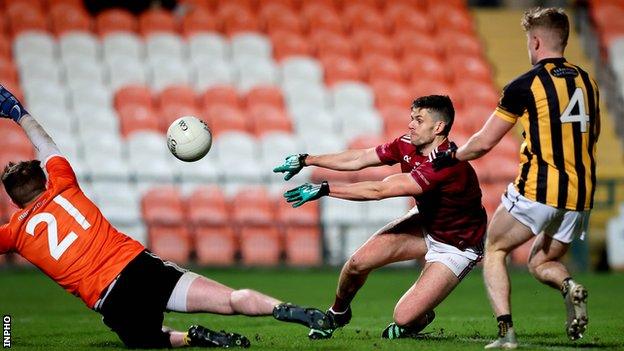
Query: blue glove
point(441, 159)
point(10, 107)
point(306, 192)
point(292, 165)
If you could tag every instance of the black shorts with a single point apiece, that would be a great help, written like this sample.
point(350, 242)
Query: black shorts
point(135, 305)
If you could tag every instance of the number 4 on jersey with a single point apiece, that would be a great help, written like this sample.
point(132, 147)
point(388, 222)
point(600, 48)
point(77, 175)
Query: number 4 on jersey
point(582, 116)
point(57, 249)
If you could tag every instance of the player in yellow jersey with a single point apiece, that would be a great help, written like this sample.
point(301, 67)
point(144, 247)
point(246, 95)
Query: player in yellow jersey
point(59, 230)
point(556, 102)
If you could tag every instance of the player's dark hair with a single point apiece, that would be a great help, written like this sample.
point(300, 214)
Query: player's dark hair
point(441, 106)
point(23, 181)
point(551, 18)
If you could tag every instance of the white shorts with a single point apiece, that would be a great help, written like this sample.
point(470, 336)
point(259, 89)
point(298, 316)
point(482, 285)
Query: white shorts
point(458, 261)
point(560, 224)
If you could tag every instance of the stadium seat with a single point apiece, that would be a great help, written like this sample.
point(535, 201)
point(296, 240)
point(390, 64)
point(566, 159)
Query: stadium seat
point(178, 95)
point(413, 42)
point(215, 246)
point(210, 73)
point(198, 21)
point(391, 93)
point(264, 95)
point(428, 86)
point(162, 46)
point(301, 94)
point(339, 69)
point(250, 45)
point(207, 206)
point(327, 42)
point(27, 20)
point(288, 44)
point(368, 42)
point(133, 95)
point(358, 121)
point(163, 206)
point(203, 171)
point(302, 69)
point(260, 245)
point(380, 66)
point(314, 119)
point(321, 16)
point(273, 148)
point(454, 41)
point(166, 72)
point(304, 216)
point(241, 22)
point(170, 112)
point(40, 45)
point(356, 15)
point(303, 246)
point(79, 44)
point(66, 18)
point(401, 16)
point(221, 95)
point(171, 243)
point(256, 71)
point(5, 47)
point(115, 20)
point(469, 66)
point(156, 21)
point(252, 205)
point(208, 46)
point(8, 71)
point(448, 16)
point(278, 18)
point(424, 67)
point(82, 71)
point(134, 118)
point(319, 175)
point(342, 212)
point(125, 71)
point(224, 118)
point(352, 94)
point(47, 94)
point(265, 118)
point(238, 158)
point(122, 45)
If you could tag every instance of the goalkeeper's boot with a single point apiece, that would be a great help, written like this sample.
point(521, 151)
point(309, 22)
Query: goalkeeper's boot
point(506, 338)
point(393, 331)
point(575, 298)
point(204, 337)
point(336, 320)
point(310, 317)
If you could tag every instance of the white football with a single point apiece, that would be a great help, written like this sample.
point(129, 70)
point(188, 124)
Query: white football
point(189, 138)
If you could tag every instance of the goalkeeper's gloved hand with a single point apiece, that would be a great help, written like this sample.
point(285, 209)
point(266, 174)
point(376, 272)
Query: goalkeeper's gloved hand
point(306, 192)
point(441, 159)
point(292, 165)
point(10, 107)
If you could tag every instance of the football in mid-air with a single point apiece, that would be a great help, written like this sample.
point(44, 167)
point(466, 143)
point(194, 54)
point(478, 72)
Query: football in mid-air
point(189, 138)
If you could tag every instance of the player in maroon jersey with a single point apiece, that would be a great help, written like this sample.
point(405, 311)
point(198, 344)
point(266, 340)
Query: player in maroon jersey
point(446, 227)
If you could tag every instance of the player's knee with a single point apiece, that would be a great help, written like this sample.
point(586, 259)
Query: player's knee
point(356, 265)
point(533, 266)
point(238, 297)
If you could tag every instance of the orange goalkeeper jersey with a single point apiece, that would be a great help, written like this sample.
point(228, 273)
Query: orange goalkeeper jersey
point(66, 236)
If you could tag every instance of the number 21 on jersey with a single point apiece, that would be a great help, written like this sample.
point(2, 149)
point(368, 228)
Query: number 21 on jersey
point(57, 248)
point(582, 117)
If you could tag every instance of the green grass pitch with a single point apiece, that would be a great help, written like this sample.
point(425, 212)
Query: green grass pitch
point(44, 317)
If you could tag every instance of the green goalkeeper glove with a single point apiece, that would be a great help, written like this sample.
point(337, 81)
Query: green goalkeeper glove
point(306, 192)
point(291, 166)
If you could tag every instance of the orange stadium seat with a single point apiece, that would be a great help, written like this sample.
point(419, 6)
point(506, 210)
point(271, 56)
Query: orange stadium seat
point(320, 174)
point(31, 20)
point(133, 95)
point(469, 119)
point(239, 23)
point(16, 155)
point(275, 16)
point(376, 173)
point(8, 71)
point(424, 67)
point(5, 47)
point(207, 206)
point(477, 92)
point(66, 17)
point(379, 66)
point(391, 93)
point(198, 21)
point(171, 243)
point(454, 41)
point(115, 20)
point(221, 95)
point(491, 194)
point(232, 7)
point(223, 118)
point(371, 42)
point(429, 86)
point(395, 118)
point(508, 147)
point(264, 95)
point(260, 245)
point(177, 94)
point(340, 68)
point(360, 15)
point(502, 169)
point(252, 205)
point(287, 216)
point(366, 141)
point(14, 139)
point(133, 118)
point(401, 16)
point(163, 206)
point(326, 42)
point(157, 21)
point(17, 8)
point(303, 246)
point(215, 246)
point(321, 15)
point(469, 66)
point(286, 44)
point(449, 16)
point(171, 111)
point(267, 118)
point(193, 5)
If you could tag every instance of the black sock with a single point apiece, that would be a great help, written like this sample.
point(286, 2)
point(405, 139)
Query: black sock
point(505, 318)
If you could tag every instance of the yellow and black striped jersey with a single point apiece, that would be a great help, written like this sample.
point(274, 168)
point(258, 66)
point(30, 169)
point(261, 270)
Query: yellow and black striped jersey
point(557, 105)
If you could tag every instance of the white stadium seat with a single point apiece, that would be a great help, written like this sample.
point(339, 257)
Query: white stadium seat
point(314, 119)
point(40, 69)
point(351, 94)
point(145, 145)
point(384, 211)
point(165, 72)
point(79, 44)
point(317, 144)
point(125, 71)
point(343, 212)
point(34, 44)
point(99, 144)
point(251, 45)
point(83, 71)
point(208, 73)
point(308, 94)
point(302, 69)
point(165, 46)
point(46, 94)
point(256, 71)
point(96, 95)
point(208, 46)
point(122, 45)
point(356, 121)
point(107, 168)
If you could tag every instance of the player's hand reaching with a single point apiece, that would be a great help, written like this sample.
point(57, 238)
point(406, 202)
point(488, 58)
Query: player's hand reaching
point(10, 107)
point(441, 159)
point(306, 192)
point(291, 166)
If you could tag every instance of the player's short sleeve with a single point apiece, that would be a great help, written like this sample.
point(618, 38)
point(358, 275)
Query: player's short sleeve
point(513, 100)
point(389, 153)
point(428, 178)
point(59, 170)
point(5, 243)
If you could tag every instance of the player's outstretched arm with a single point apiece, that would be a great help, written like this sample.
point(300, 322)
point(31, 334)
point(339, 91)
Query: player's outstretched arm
point(485, 139)
point(349, 160)
point(395, 185)
point(11, 107)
